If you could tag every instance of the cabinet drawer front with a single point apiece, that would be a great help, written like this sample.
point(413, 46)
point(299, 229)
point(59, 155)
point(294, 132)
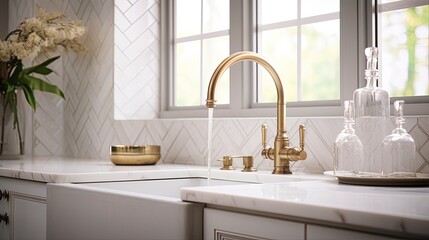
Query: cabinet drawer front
point(220, 224)
point(326, 233)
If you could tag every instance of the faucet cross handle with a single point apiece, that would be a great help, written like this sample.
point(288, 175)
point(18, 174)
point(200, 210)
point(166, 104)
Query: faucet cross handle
point(267, 151)
point(301, 136)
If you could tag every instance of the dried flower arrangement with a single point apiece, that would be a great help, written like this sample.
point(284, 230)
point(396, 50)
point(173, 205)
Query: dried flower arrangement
point(43, 33)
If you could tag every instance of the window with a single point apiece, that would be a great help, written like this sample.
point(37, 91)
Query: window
point(403, 38)
point(315, 46)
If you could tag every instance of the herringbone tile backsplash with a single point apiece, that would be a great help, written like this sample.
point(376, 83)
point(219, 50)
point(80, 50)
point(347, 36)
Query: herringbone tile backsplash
point(136, 41)
point(102, 85)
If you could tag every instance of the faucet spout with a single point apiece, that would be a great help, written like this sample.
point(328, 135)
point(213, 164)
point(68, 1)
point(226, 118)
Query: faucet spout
point(281, 150)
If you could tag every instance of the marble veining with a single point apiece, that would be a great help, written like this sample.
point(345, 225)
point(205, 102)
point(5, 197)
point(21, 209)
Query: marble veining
point(402, 210)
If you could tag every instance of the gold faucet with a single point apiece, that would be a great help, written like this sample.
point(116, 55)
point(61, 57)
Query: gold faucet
point(281, 153)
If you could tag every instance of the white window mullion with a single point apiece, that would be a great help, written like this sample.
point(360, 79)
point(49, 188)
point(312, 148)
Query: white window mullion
point(298, 53)
point(259, 29)
point(392, 6)
point(353, 41)
point(295, 22)
point(172, 96)
point(202, 36)
point(202, 92)
point(236, 80)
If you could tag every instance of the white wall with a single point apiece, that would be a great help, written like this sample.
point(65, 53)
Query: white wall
point(83, 125)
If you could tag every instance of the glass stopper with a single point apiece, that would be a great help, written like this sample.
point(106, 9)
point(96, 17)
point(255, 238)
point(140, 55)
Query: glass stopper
point(349, 111)
point(371, 54)
point(399, 112)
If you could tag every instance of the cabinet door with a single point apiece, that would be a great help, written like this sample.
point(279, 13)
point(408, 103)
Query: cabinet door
point(220, 224)
point(26, 209)
point(326, 233)
point(28, 219)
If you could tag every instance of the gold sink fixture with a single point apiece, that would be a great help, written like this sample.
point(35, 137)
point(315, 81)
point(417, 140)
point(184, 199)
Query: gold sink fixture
point(135, 154)
point(281, 153)
point(247, 163)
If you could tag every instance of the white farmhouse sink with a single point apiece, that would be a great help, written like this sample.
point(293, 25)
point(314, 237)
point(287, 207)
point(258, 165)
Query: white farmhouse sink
point(150, 209)
point(146, 209)
point(169, 188)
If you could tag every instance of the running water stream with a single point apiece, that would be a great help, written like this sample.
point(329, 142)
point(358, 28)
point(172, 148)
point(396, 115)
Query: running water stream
point(209, 144)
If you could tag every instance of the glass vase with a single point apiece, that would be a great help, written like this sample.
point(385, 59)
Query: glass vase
point(12, 130)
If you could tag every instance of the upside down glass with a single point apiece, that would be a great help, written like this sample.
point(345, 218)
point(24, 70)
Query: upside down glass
point(399, 149)
point(348, 149)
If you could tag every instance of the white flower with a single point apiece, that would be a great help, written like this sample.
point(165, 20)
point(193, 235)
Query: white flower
point(4, 51)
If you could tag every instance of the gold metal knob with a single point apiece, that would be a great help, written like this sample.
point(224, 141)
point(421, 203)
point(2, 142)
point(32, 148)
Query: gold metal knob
point(227, 163)
point(247, 162)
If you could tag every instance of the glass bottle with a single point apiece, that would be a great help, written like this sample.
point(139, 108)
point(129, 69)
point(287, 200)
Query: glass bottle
point(372, 113)
point(399, 148)
point(348, 150)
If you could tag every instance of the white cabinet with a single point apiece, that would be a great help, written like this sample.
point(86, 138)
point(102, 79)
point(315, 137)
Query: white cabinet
point(220, 224)
point(25, 208)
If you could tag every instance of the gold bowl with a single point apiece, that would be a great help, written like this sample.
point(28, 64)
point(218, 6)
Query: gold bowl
point(135, 154)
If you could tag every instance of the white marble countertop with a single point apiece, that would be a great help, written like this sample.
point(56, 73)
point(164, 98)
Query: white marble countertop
point(317, 197)
point(403, 210)
point(70, 170)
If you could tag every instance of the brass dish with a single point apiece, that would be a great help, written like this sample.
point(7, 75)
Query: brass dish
point(135, 154)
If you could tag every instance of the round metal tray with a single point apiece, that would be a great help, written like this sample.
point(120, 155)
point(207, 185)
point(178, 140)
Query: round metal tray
point(420, 180)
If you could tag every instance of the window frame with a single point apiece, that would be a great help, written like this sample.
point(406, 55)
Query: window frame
point(356, 33)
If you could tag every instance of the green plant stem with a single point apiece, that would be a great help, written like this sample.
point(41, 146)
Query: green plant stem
point(21, 143)
point(16, 119)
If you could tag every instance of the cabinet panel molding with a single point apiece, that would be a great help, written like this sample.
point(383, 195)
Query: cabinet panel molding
point(225, 235)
